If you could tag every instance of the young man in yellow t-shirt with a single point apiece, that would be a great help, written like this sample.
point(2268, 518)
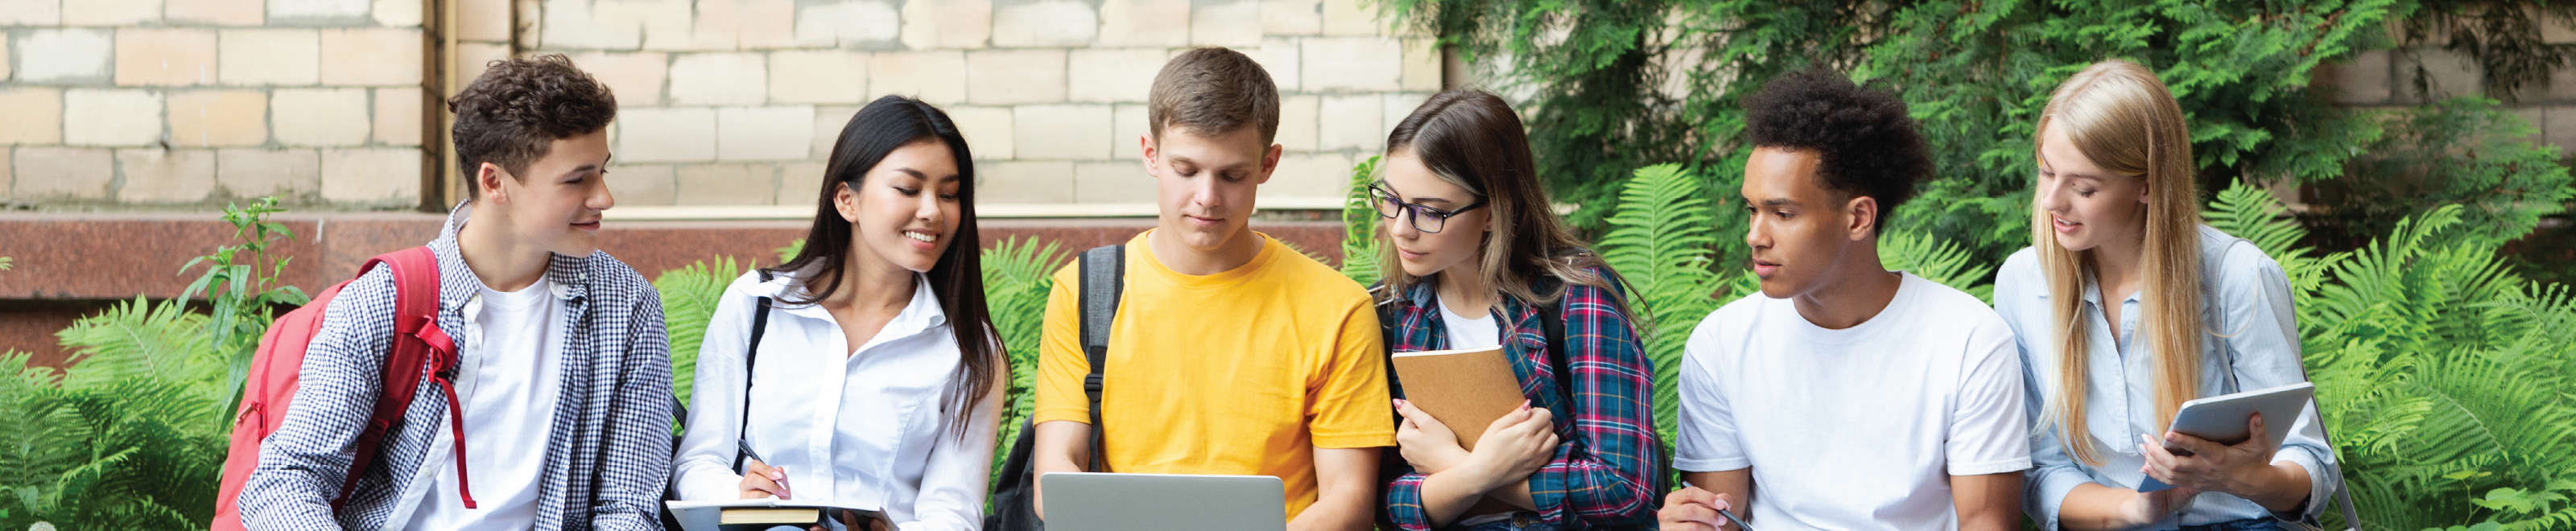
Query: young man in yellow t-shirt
point(1230, 352)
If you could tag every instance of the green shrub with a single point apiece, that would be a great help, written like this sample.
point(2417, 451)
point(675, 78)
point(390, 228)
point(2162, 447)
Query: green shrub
point(128, 438)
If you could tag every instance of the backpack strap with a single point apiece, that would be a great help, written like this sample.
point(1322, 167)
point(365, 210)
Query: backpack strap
point(418, 349)
point(2212, 266)
point(1104, 282)
point(1551, 319)
point(750, 358)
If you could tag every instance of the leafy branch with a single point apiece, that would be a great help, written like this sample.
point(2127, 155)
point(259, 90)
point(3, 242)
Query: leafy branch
point(241, 285)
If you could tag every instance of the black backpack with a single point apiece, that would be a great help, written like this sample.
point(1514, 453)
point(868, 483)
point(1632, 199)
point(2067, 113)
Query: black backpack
point(1015, 492)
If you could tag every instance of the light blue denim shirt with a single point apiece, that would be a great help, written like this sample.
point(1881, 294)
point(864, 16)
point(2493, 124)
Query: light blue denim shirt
point(2255, 344)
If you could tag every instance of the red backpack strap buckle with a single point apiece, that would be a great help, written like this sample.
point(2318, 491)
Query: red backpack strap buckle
point(418, 350)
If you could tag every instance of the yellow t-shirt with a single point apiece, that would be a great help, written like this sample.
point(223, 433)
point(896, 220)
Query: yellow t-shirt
point(1242, 372)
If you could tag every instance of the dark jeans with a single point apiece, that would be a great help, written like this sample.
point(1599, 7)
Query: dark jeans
point(2249, 524)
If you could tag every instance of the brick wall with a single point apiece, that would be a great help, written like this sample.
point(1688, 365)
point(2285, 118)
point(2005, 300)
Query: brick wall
point(187, 103)
point(737, 102)
point(2386, 78)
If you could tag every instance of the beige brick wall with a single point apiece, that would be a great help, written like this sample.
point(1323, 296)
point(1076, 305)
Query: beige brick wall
point(187, 104)
point(2386, 78)
point(732, 102)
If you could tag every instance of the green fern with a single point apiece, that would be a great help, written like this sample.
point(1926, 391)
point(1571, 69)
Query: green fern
point(130, 438)
point(1937, 260)
point(1662, 243)
point(1359, 225)
point(1018, 276)
point(689, 296)
point(2445, 373)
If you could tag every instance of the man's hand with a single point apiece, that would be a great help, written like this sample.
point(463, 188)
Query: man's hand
point(1693, 509)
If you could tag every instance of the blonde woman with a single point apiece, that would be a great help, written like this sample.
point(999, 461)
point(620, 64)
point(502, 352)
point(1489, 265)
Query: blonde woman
point(2126, 306)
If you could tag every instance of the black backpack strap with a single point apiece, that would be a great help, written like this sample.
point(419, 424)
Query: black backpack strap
point(1551, 319)
point(1103, 284)
point(750, 358)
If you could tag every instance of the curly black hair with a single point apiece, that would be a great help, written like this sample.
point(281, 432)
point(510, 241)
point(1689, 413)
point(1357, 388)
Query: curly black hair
point(1866, 143)
point(512, 115)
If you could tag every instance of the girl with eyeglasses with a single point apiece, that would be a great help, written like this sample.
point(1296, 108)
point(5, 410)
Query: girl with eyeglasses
point(1474, 258)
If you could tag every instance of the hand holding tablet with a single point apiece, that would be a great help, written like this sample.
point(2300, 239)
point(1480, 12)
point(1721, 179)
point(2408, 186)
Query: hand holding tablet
point(2224, 420)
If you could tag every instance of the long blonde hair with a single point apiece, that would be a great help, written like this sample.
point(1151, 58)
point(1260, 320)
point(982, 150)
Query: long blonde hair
point(2122, 118)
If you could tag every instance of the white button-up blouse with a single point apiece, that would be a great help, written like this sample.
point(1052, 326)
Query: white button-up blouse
point(2245, 302)
point(859, 426)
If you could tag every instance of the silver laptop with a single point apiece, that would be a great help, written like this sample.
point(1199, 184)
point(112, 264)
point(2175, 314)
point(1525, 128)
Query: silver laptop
point(1083, 501)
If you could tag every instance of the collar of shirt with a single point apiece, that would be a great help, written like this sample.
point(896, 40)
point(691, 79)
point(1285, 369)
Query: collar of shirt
point(919, 315)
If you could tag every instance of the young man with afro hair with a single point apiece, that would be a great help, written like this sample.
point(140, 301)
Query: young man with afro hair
point(562, 385)
point(1844, 396)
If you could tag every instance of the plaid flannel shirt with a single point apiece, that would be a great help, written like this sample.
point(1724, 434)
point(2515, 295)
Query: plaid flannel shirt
point(607, 457)
point(1601, 475)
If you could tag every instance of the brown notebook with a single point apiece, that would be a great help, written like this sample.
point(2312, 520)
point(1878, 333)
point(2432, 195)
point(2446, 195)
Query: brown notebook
point(1466, 389)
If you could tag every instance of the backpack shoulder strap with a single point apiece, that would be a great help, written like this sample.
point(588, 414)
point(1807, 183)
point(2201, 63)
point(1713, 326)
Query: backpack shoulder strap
point(750, 358)
point(1551, 319)
point(418, 349)
point(1104, 282)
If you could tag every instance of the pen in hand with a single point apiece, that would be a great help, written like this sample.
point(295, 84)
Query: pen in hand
point(781, 478)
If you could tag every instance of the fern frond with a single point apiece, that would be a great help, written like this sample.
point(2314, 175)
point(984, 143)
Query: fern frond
point(1359, 225)
point(1018, 276)
point(1945, 262)
point(1662, 243)
point(689, 296)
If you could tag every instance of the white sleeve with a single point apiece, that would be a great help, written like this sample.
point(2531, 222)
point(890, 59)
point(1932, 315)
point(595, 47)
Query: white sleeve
point(953, 483)
point(1707, 424)
point(1989, 433)
point(702, 470)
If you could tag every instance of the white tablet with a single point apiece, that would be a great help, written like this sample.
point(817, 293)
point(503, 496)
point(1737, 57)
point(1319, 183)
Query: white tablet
point(2221, 419)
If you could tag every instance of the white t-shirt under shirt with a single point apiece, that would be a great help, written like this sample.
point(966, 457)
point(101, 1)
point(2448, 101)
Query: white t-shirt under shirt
point(1465, 332)
point(1857, 428)
point(509, 380)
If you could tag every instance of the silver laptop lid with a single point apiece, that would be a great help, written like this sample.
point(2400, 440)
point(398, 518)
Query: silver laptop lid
point(1083, 501)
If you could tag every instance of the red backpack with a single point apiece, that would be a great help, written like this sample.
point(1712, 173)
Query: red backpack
point(418, 348)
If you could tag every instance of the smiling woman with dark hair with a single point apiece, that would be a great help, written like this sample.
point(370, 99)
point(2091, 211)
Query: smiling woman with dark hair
point(871, 369)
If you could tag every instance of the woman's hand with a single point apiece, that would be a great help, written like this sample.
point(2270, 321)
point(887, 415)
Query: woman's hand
point(1515, 446)
point(2151, 507)
point(2212, 467)
point(759, 480)
point(1426, 443)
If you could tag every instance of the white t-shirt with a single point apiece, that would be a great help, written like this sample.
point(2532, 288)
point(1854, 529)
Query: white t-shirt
point(509, 380)
point(1855, 428)
point(1464, 332)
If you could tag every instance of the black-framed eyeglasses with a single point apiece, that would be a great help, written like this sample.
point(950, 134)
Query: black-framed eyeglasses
point(1425, 218)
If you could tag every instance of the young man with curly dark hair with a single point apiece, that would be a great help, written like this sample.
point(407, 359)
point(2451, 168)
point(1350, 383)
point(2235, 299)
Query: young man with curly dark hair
point(562, 384)
point(1844, 396)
